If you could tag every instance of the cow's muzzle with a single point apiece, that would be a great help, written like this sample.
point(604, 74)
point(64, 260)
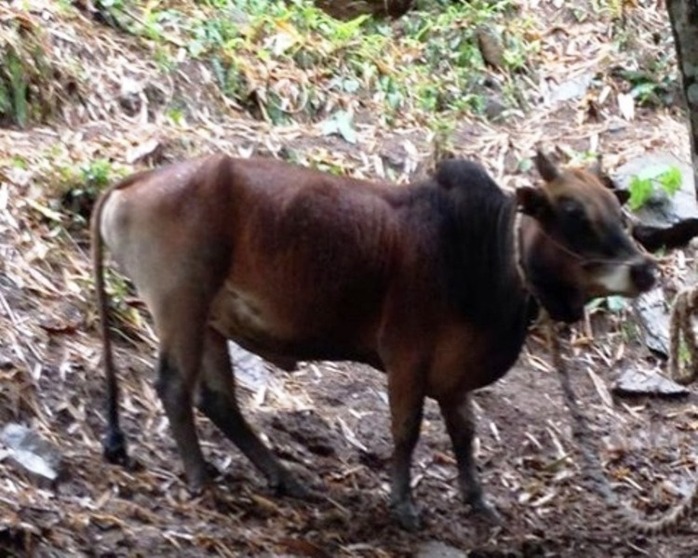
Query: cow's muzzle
point(643, 274)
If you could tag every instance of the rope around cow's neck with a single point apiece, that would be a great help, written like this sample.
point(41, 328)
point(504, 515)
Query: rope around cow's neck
point(685, 304)
point(518, 252)
point(585, 260)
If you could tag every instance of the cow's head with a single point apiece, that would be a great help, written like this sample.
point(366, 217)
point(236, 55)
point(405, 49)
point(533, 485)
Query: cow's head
point(573, 243)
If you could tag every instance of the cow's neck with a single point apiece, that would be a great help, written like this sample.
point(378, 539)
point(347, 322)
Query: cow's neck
point(523, 306)
point(485, 282)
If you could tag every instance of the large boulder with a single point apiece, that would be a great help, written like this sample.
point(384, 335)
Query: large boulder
point(663, 221)
point(349, 9)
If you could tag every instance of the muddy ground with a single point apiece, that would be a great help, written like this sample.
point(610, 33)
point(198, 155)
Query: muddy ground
point(330, 421)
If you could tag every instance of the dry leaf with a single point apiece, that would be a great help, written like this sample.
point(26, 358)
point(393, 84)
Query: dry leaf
point(626, 105)
point(601, 388)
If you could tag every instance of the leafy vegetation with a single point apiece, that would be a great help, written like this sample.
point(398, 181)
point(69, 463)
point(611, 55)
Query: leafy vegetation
point(650, 76)
point(77, 188)
point(644, 185)
point(284, 61)
point(654, 85)
point(29, 86)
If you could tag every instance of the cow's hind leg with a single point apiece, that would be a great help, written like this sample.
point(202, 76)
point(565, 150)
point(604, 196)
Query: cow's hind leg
point(181, 322)
point(217, 400)
point(460, 423)
point(406, 407)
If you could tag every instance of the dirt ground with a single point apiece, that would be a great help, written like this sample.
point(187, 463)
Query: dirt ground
point(330, 421)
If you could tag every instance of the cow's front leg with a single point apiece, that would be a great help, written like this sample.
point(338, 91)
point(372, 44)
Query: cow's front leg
point(460, 423)
point(406, 396)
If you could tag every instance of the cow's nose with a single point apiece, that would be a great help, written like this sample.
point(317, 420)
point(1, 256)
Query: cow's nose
point(644, 274)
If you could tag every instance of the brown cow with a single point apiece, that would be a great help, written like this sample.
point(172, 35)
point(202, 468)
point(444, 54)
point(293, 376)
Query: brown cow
point(434, 283)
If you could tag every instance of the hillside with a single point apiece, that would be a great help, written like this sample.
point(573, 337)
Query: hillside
point(93, 90)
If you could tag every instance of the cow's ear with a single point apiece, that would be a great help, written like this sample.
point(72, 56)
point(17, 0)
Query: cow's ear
point(546, 168)
point(622, 195)
point(533, 202)
point(597, 169)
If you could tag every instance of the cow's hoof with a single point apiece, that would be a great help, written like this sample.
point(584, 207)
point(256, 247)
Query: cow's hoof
point(487, 512)
point(287, 485)
point(407, 516)
point(114, 448)
point(201, 478)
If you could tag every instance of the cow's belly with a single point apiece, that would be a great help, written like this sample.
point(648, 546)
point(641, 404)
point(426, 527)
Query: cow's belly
point(239, 315)
point(272, 331)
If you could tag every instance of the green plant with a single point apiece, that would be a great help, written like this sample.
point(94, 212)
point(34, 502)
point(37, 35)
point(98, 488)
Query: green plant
point(77, 189)
point(210, 35)
point(176, 115)
point(612, 8)
point(442, 138)
point(340, 123)
point(165, 61)
point(684, 353)
point(19, 162)
point(616, 304)
point(327, 166)
point(630, 331)
point(613, 303)
point(18, 88)
point(97, 173)
point(644, 185)
point(230, 78)
point(111, 4)
point(32, 78)
point(653, 85)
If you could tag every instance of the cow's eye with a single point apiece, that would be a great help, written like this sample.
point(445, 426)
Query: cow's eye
point(572, 210)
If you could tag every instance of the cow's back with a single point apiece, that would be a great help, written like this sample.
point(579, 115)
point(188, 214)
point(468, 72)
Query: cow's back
point(312, 259)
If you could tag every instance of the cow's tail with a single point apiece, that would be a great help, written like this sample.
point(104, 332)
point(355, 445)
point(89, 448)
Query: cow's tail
point(114, 443)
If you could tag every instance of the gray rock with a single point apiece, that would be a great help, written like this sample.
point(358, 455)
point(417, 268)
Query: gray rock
point(638, 382)
point(250, 370)
point(34, 454)
point(574, 88)
point(663, 221)
point(495, 108)
point(653, 313)
point(490, 44)
point(6, 363)
point(436, 549)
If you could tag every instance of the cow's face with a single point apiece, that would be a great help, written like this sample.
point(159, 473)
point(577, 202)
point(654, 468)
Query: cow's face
point(575, 247)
